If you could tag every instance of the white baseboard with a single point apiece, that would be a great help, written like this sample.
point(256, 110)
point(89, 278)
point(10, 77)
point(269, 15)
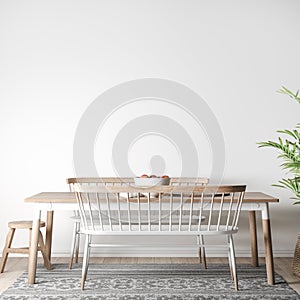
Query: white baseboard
point(171, 252)
point(165, 252)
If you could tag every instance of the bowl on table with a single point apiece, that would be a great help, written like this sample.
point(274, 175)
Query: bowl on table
point(151, 182)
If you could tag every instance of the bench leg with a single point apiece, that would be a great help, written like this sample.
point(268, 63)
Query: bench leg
point(74, 246)
point(201, 253)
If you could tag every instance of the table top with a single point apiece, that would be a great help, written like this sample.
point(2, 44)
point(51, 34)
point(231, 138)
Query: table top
point(69, 197)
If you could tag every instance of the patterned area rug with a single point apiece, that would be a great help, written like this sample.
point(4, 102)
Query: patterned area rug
point(149, 281)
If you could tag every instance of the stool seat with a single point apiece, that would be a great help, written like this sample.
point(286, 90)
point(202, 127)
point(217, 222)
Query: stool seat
point(23, 224)
point(13, 226)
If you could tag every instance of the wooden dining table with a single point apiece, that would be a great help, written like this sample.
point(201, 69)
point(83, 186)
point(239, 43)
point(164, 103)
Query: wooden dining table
point(55, 201)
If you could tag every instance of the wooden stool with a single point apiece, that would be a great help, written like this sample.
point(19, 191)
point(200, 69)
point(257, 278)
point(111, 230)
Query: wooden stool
point(24, 250)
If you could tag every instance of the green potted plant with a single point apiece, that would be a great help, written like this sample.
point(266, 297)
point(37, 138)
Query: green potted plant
point(289, 153)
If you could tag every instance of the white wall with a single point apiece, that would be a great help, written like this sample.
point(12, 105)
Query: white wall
point(56, 57)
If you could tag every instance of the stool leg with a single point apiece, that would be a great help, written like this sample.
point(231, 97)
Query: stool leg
point(47, 263)
point(8, 242)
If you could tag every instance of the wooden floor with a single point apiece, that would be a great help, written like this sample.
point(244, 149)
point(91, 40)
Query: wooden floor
point(16, 266)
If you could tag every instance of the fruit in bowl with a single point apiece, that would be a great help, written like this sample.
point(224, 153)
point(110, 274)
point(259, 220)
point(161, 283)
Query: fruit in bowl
point(145, 180)
point(152, 180)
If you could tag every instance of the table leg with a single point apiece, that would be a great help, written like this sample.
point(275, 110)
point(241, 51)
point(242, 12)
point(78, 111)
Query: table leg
point(253, 238)
point(34, 247)
point(268, 244)
point(49, 229)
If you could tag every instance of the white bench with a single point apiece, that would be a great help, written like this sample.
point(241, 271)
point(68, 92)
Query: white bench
point(122, 181)
point(178, 210)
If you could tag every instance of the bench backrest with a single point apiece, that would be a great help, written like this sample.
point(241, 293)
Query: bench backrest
point(159, 209)
point(101, 181)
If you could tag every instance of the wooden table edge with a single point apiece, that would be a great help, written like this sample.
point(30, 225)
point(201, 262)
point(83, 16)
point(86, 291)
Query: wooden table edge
point(69, 197)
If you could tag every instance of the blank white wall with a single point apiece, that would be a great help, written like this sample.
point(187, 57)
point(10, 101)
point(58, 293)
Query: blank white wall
point(56, 57)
